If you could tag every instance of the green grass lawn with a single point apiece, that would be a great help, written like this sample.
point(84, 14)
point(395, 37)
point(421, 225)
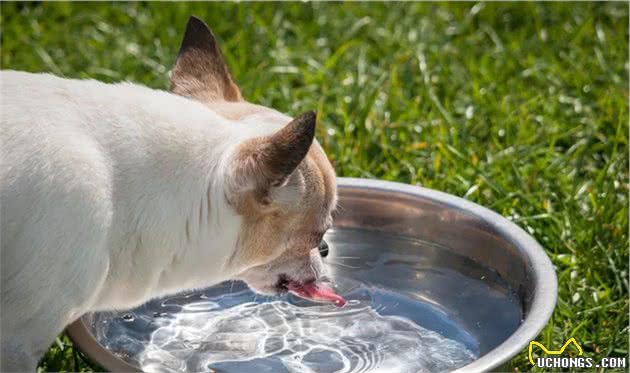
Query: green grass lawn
point(520, 107)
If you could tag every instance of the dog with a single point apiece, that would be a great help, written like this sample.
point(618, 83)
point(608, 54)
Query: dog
point(113, 194)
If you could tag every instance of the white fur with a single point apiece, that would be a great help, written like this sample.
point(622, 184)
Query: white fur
point(110, 195)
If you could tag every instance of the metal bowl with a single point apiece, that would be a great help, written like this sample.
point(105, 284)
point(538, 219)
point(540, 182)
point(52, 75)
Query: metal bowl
point(472, 241)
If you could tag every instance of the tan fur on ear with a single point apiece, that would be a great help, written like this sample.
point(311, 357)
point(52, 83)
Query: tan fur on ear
point(268, 161)
point(200, 71)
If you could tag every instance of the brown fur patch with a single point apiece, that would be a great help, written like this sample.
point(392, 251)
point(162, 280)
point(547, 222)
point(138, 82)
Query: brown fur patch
point(300, 226)
point(268, 161)
point(200, 71)
point(289, 146)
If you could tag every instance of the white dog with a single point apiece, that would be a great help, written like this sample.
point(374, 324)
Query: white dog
point(114, 194)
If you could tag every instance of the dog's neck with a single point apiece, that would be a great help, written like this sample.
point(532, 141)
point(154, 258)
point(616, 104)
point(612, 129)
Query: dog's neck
point(172, 218)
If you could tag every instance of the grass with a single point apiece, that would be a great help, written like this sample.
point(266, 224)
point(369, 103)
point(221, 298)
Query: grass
point(520, 107)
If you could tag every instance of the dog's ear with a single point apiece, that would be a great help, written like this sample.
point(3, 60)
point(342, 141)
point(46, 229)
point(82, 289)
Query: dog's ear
point(200, 71)
point(264, 162)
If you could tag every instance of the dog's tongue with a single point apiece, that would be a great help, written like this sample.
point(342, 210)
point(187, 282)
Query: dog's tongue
point(317, 292)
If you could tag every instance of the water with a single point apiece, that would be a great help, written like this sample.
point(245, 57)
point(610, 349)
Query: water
point(401, 316)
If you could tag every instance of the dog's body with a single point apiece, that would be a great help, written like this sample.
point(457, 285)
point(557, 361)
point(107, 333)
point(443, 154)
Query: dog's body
point(101, 178)
point(114, 194)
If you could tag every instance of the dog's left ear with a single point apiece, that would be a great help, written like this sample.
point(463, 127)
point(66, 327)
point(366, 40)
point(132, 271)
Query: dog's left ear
point(200, 71)
point(265, 162)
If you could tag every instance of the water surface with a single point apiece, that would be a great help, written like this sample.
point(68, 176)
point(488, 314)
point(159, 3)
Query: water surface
point(412, 307)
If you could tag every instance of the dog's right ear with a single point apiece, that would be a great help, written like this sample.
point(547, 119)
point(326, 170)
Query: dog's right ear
point(200, 71)
point(265, 162)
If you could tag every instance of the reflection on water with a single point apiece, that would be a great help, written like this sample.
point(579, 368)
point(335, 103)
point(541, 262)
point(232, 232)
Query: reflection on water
point(229, 328)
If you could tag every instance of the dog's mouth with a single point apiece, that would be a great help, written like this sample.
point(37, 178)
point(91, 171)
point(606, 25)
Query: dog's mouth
point(314, 291)
point(282, 286)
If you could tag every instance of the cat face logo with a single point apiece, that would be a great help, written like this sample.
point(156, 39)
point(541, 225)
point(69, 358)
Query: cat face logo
point(553, 352)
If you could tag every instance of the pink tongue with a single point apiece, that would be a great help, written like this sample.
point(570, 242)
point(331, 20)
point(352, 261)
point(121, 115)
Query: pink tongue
point(316, 292)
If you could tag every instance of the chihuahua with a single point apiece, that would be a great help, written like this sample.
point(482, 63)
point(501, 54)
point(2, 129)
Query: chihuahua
point(113, 194)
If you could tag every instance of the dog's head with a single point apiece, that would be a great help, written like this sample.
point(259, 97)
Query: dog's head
point(280, 181)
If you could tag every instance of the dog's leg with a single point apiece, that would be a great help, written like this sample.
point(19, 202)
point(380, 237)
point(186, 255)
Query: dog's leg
point(52, 272)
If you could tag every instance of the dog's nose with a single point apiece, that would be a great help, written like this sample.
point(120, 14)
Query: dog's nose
point(323, 249)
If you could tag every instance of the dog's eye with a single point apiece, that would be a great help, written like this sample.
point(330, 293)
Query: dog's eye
point(323, 248)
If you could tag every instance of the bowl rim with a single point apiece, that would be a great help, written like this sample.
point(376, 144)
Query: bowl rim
point(542, 304)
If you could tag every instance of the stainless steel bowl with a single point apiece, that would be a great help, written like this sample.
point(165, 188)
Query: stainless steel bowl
point(464, 236)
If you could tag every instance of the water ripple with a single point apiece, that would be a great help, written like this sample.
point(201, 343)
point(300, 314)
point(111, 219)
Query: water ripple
point(300, 339)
